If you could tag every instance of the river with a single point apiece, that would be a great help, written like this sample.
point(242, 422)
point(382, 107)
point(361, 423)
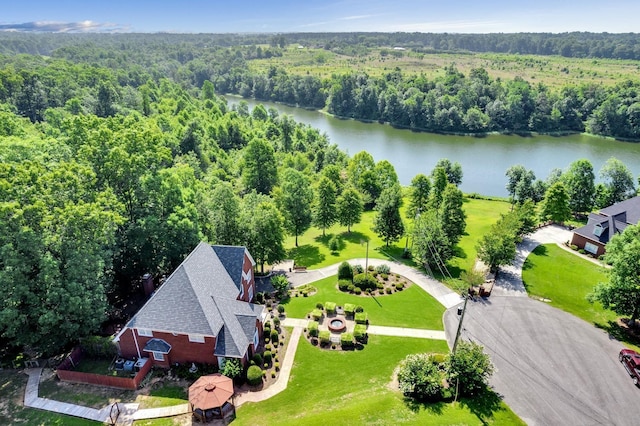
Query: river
point(484, 160)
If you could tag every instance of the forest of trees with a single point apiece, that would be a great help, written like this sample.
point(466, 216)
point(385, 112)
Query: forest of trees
point(455, 102)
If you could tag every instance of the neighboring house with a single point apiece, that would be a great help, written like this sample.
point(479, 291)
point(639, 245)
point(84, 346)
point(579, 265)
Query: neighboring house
point(202, 313)
point(601, 227)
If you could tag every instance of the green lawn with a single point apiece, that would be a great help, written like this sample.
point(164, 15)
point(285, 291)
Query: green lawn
point(313, 248)
point(353, 387)
point(411, 307)
point(565, 279)
point(165, 396)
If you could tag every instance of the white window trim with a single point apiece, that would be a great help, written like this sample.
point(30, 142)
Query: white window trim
point(250, 293)
point(241, 290)
point(145, 332)
point(158, 356)
point(195, 338)
point(591, 248)
point(256, 339)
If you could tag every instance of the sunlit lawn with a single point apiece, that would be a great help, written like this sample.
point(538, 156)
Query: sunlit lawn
point(565, 279)
point(411, 307)
point(353, 388)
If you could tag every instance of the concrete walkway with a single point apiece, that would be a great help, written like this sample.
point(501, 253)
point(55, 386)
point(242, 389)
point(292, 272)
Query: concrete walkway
point(509, 282)
point(129, 412)
point(283, 379)
point(439, 291)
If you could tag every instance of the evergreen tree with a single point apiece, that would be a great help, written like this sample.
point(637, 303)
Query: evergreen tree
point(419, 192)
point(451, 214)
point(349, 207)
point(295, 202)
point(555, 206)
point(388, 223)
point(324, 209)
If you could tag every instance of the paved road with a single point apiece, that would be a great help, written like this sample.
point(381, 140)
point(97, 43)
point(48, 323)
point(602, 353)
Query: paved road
point(551, 367)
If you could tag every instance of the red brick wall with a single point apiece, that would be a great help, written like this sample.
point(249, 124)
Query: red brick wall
point(182, 350)
point(580, 241)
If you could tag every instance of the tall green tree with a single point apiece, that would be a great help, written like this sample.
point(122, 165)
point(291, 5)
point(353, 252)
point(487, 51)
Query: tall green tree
point(555, 206)
point(295, 202)
point(430, 246)
point(520, 184)
point(451, 214)
point(419, 192)
point(580, 183)
point(349, 207)
point(452, 170)
point(259, 169)
point(622, 292)
point(439, 184)
point(618, 181)
point(498, 246)
point(264, 235)
point(361, 173)
point(469, 368)
point(386, 174)
point(388, 223)
point(324, 207)
point(224, 215)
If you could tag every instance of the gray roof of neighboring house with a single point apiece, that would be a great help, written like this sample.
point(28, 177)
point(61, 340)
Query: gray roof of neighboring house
point(613, 219)
point(200, 297)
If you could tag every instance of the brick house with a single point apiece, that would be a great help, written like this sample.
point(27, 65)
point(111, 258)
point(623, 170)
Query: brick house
point(602, 226)
point(202, 313)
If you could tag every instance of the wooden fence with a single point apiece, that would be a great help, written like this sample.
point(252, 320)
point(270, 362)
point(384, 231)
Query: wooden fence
point(65, 374)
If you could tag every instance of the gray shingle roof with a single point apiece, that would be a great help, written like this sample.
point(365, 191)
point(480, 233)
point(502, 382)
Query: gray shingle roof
point(613, 219)
point(200, 298)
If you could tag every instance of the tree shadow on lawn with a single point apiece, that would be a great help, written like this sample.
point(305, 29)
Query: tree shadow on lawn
point(483, 405)
point(354, 237)
point(538, 251)
point(435, 408)
point(620, 332)
point(306, 255)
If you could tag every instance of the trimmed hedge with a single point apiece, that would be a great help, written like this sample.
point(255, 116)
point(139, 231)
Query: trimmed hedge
point(361, 318)
point(349, 308)
point(254, 375)
point(345, 272)
point(313, 328)
point(267, 357)
point(274, 336)
point(257, 358)
point(330, 307)
point(316, 314)
point(360, 333)
point(325, 337)
point(343, 285)
point(365, 281)
point(346, 340)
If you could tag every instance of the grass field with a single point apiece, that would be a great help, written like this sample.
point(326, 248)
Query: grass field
point(553, 71)
point(411, 307)
point(565, 279)
point(353, 387)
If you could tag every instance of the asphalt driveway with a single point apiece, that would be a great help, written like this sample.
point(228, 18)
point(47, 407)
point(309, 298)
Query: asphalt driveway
point(551, 367)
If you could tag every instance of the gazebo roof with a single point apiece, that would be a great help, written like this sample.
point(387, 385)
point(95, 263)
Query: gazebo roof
point(210, 391)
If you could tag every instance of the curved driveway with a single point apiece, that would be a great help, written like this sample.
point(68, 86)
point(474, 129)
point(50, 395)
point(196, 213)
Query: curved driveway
point(551, 367)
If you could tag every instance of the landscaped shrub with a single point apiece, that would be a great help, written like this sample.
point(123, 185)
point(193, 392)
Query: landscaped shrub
point(254, 375)
point(325, 337)
point(260, 298)
point(330, 307)
point(280, 284)
point(349, 308)
point(319, 306)
point(573, 247)
point(343, 285)
point(359, 309)
point(361, 318)
point(357, 269)
point(266, 356)
point(351, 287)
point(277, 366)
point(276, 322)
point(469, 367)
point(281, 309)
point(313, 328)
point(582, 251)
point(345, 272)
point(334, 243)
point(380, 286)
point(383, 269)
point(370, 268)
point(357, 290)
point(316, 314)
point(257, 358)
point(267, 348)
point(365, 281)
point(385, 277)
point(274, 336)
point(273, 374)
point(360, 333)
point(232, 368)
point(98, 347)
point(420, 377)
point(346, 340)
point(388, 290)
point(399, 286)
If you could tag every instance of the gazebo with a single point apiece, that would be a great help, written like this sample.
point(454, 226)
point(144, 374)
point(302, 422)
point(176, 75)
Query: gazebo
point(211, 397)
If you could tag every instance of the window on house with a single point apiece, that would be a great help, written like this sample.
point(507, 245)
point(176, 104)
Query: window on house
point(591, 248)
point(241, 291)
point(597, 231)
point(145, 332)
point(196, 339)
point(250, 293)
point(158, 356)
point(256, 339)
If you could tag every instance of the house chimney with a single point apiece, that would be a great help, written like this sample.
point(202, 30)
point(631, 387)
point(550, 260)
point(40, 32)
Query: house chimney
point(147, 284)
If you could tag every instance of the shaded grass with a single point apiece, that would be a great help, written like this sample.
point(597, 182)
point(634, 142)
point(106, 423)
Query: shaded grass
point(411, 307)
point(82, 394)
point(552, 273)
point(12, 386)
point(353, 387)
point(165, 396)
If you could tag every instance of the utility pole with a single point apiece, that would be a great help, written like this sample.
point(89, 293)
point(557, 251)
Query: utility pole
point(464, 309)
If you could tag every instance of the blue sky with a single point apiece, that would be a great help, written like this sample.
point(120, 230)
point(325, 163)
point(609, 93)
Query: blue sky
point(243, 16)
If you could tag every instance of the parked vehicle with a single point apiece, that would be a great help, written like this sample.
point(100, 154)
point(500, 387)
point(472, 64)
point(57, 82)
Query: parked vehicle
point(631, 361)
